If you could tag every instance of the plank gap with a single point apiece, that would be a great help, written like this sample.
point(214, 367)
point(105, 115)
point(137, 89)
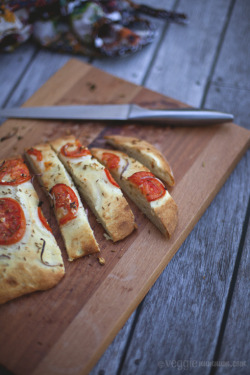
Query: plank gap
point(217, 53)
point(164, 31)
point(231, 289)
point(228, 86)
point(21, 77)
point(129, 339)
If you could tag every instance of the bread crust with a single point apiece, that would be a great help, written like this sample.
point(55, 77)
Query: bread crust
point(35, 262)
point(104, 199)
point(77, 233)
point(146, 153)
point(162, 212)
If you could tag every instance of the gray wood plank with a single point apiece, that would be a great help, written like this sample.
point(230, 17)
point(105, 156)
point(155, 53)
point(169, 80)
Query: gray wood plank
point(235, 73)
point(235, 101)
point(43, 66)
point(181, 315)
point(235, 344)
point(231, 82)
point(231, 75)
point(195, 285)
point(110, 361)
point(184, 60)
point(133, 68)
point(13, 66)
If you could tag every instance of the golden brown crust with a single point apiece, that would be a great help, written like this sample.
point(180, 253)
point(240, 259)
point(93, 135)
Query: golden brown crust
point(35, 262)
point(146, 153)
point(168, 214)
point(23, 278)
point(162, 212)
point(105, 200)
point(77, 234)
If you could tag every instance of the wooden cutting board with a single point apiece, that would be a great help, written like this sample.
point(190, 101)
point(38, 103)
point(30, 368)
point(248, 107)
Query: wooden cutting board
point(66, 329)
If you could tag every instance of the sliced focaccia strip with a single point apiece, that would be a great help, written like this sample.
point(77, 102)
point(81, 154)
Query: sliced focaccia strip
point(146, 153)
point(30, 258)
point(147, 192)
point(69, 211)
point(97, 187)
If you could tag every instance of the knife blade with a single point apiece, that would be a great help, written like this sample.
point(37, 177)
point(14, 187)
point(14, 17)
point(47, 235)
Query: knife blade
point(119, 112)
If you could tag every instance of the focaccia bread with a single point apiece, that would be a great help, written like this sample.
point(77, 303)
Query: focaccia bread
point(30, 258)
point(147, 192)
point(97, 187)
point(146, 153)
point(69, 211)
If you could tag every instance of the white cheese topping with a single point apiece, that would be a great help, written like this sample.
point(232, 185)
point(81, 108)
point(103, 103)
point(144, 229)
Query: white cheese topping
point(160, 201)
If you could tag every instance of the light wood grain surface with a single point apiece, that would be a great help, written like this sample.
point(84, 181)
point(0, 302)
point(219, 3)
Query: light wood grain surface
point(192, 311)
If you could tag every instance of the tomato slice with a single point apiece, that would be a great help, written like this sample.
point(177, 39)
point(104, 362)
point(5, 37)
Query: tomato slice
point(12, 221)
point(110, 160)
point(74, 150)
point(14, 172)
point(149, 185)
point(43, 220)
point(138, 177)
point(110, 178)
point(35, 152)
point(66, 203)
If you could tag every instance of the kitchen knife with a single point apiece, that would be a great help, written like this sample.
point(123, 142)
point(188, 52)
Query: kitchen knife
point(119, 112)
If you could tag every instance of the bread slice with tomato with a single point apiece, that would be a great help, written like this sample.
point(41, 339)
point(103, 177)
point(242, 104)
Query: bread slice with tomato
point(146, 190)
point(146, 153)
point(97, 187)
point(70, 214)
point(30, 258)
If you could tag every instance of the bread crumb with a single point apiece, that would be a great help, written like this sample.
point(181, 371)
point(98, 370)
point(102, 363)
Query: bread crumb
point(101, 260)
point(108, 238)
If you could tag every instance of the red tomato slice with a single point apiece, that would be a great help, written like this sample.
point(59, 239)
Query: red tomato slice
point(12, 221)
point(110, 178)
point(149, 185)
point(74, 150)
point(14, 172)
point(43, 220)
point(110, 160)
point(66, 203)
point(138, 177)
point(35, 152)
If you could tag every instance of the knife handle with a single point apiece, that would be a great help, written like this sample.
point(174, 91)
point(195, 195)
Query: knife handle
point(179, 116)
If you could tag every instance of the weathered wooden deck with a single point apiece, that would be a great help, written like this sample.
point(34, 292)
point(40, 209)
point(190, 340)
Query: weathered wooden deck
point(198, 310)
